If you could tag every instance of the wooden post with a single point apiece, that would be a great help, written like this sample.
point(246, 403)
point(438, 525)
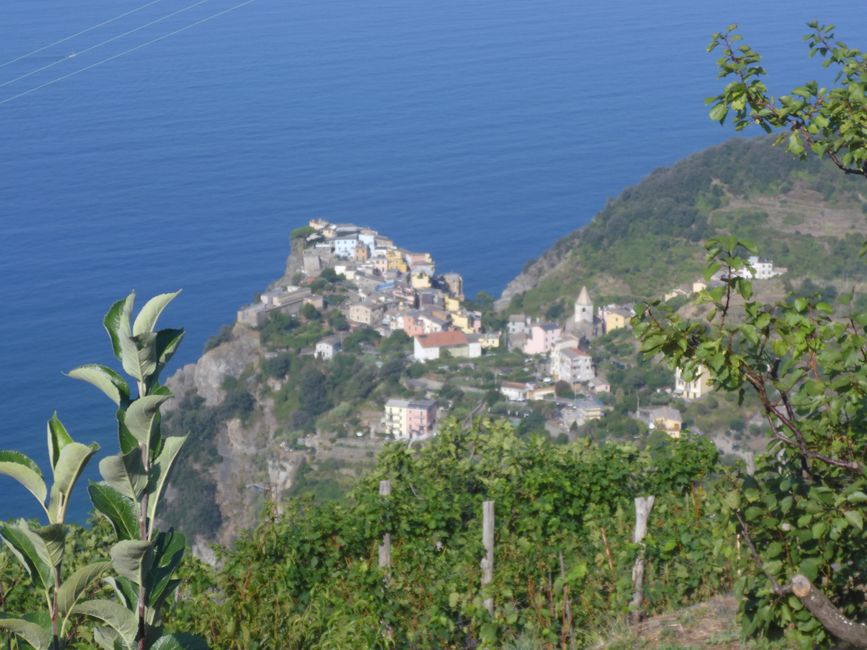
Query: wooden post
point(567, 605)
point(643, 506)
point(385, 547)
point(488, 542)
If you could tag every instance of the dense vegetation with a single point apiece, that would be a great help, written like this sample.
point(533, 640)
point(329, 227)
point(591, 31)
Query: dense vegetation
point(648, 240)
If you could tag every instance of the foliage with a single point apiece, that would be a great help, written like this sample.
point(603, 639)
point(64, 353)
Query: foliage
point(803, 510)
point(143, 558)
point(308, 578)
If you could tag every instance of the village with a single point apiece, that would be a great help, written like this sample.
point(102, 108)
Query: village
point(398, 290)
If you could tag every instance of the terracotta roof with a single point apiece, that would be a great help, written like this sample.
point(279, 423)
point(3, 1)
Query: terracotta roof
point(443, 339)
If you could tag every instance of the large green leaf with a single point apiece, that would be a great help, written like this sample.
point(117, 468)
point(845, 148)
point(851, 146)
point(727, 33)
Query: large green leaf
point(26, 472)
point(106, 380)
point(58, 438)
point(132, 558)
point(126, 590)
point(113, 614)
point(117, 508)
point(168, 552)
point(54, 537)
point(113, 472)
point(179, 642)
point(107, 639)
point(76, 585)
point(30, 550)
point(116, 323)
point(37, 636)
point(140, 360)
point(161, 470)
point(147, 317)
point(71, 463)
point(141, 415)
point(167, 342)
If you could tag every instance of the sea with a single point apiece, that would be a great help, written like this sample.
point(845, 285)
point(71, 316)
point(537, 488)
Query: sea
point(163, 144)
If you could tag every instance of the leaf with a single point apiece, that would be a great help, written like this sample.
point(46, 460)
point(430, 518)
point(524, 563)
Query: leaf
point(29, 549)
point(73, 459)
point(113, 472)
point(180, 642)
point(131, 558)
point(34, 634)
point(141, 414)
point(26, 472)
point(58, 438)
point(117, 508)
point(147, 317)
point(161, 470)
point(168, 552)
point(74, 587)
point(54, 537)
point(855, 519)
point(116, 323)
point(106, 380)
point(113, 614)
point(125, 590)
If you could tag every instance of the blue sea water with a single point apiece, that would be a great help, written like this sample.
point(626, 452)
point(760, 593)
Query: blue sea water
point(479, 130)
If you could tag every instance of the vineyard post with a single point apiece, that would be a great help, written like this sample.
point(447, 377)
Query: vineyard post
point(643, 506)
point(385, 547)
point(488, 542)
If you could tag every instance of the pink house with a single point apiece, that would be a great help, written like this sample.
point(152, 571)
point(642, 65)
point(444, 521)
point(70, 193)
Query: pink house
point(541, 338)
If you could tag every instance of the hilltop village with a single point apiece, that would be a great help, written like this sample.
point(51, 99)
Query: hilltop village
point(386, 289)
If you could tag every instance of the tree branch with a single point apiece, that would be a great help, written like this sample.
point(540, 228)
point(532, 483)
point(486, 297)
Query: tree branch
point(827, 614)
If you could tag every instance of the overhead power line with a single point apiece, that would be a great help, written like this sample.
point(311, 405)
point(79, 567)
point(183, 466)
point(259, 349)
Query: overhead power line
point(83, 31)
point(105, 42)
point(125, 52)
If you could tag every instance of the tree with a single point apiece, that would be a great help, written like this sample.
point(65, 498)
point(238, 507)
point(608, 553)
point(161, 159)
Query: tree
point(802, 513)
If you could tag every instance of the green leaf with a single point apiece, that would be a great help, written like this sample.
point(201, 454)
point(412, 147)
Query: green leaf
point(161, 470)
point(30, 550)
point(855, 519)
point(167, 342)
point(58, 438)
point(113, 614)
point(106, 380)
point(26, 472)
point(141, 414)
point(179, 642)
point(37, 636)
point(810, 567)
point(75, 586)
point(168, 552)
point(54, 537)
point(113, 472)
point(131, 559)
point(147, 317)
point(71, 463)
point(117, 508)
point(116, 323)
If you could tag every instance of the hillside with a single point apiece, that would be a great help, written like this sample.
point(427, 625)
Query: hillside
point(805, 216)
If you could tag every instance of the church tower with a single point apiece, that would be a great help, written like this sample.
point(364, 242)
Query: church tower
point(583, 308)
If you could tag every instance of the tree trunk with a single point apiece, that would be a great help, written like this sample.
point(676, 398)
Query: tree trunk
point(828, 615)
point(385, 547)
point(488, 542)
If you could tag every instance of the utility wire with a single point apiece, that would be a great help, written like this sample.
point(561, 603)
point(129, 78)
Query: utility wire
point(105, 42)
point(125, 52)
point(84, 31)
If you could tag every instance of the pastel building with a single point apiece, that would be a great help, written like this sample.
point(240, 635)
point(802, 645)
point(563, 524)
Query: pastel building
point(541, 338)
point(694, 389)
point(408, 419)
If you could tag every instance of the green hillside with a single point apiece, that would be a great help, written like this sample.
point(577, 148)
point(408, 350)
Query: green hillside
point(805, 216)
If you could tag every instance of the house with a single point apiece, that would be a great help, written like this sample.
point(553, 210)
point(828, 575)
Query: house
point(515, 391)
point(581, 411)
point(454, 284)
point(432, 322)
point(286, 302)
point(488, 340)
point(361, 313)
point(583, 308)
point(421, 263)
point(326, 348)
point(408, 419)
point(542, 338)
point(420, 280)
point(345, 246)
point(576, 366)
point(615, 317)
point(663, 418)
point(599, 385)
point(452, 304)
point(694, 389)
point(396, 262)
point(517, 324)
point(430, 346)
point(379, 264)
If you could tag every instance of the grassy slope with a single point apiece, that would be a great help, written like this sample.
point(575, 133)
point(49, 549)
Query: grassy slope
point(806, 216)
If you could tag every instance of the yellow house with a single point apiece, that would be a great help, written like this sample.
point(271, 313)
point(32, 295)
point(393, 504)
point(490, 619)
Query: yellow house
point(462, 322)
point(452, 304)
point(420, 281)
point(614, 320)
point(489, 340)
point(396, 261)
